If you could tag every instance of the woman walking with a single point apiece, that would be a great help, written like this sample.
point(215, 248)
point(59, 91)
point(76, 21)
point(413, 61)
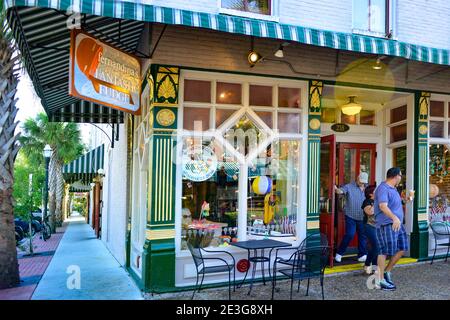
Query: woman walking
point(370, 265)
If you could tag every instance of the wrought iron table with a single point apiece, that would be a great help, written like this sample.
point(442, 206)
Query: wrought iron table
point(255, 245)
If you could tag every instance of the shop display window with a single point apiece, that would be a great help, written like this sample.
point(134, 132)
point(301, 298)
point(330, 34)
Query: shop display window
point(209, 195)
point(439, 189)
point(273, 191)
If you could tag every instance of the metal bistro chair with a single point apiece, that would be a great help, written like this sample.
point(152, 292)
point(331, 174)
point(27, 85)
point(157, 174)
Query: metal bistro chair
point(300, 264)
point(441, 231)
point(203, 269)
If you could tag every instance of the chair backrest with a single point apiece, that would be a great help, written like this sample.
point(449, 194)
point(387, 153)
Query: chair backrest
point(196, 254)
point(313, 240)
point(441, 230)
point(312, 260)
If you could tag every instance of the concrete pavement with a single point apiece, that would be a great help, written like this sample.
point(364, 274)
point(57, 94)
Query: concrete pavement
point(83, 269)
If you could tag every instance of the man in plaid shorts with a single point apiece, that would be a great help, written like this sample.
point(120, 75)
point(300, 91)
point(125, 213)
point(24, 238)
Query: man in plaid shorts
point(391, 235)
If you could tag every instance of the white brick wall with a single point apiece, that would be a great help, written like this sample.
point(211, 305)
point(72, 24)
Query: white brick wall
point(424, 22)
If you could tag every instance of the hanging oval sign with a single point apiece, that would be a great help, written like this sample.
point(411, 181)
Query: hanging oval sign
point(340, 127)
point(199, 163)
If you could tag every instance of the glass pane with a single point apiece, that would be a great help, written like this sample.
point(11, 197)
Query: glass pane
point(349, 166)
point(361, 14)
point(439, 166)
point(244, 135)
point(365, 157)
point(398, 114)
point(348, 119)
point(325, 183)
point(222, 115)
point(367, 117)
point(328, 115)
point(196, 118)
point(437, 129)
point(273, 191)
point(197, 91)
point(267, 117)
point(261, 96)
point(255, 6)
point(377, 13)
point(399, 160)
point(437, 108)
point(398, 133)
point(229, 93)
point(209, 196)
point(289, 122)
point(288, 97)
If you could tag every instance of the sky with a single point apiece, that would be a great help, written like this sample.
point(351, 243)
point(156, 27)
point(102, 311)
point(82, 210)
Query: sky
point(29, 105)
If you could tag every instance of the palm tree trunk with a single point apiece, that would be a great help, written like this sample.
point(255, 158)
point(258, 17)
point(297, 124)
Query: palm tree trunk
point(59, 194)
point(9, 268)
point(52, 193)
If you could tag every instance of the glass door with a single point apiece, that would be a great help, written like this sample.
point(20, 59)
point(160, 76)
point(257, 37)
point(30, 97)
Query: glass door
point(354, 158)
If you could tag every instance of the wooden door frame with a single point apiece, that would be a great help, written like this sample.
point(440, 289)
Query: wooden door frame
point(358, 146)
point(331, 193)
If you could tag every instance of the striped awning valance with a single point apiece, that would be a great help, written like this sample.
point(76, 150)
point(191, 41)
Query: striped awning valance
point(246, 26)
point(85, 168)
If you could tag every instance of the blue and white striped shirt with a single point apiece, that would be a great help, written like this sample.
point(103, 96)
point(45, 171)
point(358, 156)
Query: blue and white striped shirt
point(354, 197)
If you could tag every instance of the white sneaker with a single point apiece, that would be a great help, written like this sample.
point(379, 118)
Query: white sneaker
point(362, 258)
point(338, 258)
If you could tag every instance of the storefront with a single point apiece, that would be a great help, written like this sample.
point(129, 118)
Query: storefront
point(226, 148)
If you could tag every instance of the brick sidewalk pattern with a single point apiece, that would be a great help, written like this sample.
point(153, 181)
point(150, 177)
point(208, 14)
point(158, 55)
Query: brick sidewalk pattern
point(32, 268)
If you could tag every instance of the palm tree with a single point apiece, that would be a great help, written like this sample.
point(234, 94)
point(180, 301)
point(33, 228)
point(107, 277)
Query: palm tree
point(65, 141)
point(9, 67)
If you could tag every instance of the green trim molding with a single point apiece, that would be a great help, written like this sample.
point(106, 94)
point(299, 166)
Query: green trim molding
point(315, 105)
point(419, 236)
point(158, 267)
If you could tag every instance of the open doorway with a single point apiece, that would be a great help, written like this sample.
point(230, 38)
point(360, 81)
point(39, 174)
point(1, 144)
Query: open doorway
point(341, 163)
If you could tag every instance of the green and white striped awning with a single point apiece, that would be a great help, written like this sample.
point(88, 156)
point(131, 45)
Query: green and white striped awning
point(86, 167)
point(252, 27)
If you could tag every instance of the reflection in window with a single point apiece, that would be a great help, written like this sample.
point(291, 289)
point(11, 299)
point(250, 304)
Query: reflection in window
point(261, 96)
point(289, 122)
point(367, 117)
point(254, 6)
point(209, 195)
point(229, 93)
point(399, 160)
point(197, 91)
point(398, 133)
point(439, 168)
point(196, 119)
point(328, 115)
point(288, 97)
point(273, 191)
point(437, 129)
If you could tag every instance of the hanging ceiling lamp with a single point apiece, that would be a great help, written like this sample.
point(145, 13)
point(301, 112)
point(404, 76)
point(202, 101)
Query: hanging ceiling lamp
point(351, 108)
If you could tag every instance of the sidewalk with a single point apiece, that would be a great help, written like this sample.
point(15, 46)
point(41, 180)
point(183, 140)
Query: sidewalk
point(100, 276)
point(32, 268)
point(418, 281)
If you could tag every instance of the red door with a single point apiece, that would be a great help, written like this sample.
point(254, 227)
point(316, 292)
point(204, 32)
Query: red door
point(327, 195)
point(353, 159)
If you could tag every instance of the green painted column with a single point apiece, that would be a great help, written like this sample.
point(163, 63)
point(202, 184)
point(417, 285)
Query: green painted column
point(419, 236)
point(313, 211)
point(159, 249)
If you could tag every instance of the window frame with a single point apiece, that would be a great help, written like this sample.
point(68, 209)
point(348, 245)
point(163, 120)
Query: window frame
point(389, 19)
point(244, 108)
point(273, 16)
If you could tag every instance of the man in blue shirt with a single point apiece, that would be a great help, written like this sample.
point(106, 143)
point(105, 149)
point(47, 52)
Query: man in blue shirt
point(392, 239)
point(354, 216)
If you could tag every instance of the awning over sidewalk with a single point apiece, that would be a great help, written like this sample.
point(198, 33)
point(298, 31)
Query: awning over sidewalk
point(41, 31)
point(251, 27)
point(85, 168)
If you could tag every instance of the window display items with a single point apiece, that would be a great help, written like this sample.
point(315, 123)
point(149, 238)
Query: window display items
point(262, 185)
